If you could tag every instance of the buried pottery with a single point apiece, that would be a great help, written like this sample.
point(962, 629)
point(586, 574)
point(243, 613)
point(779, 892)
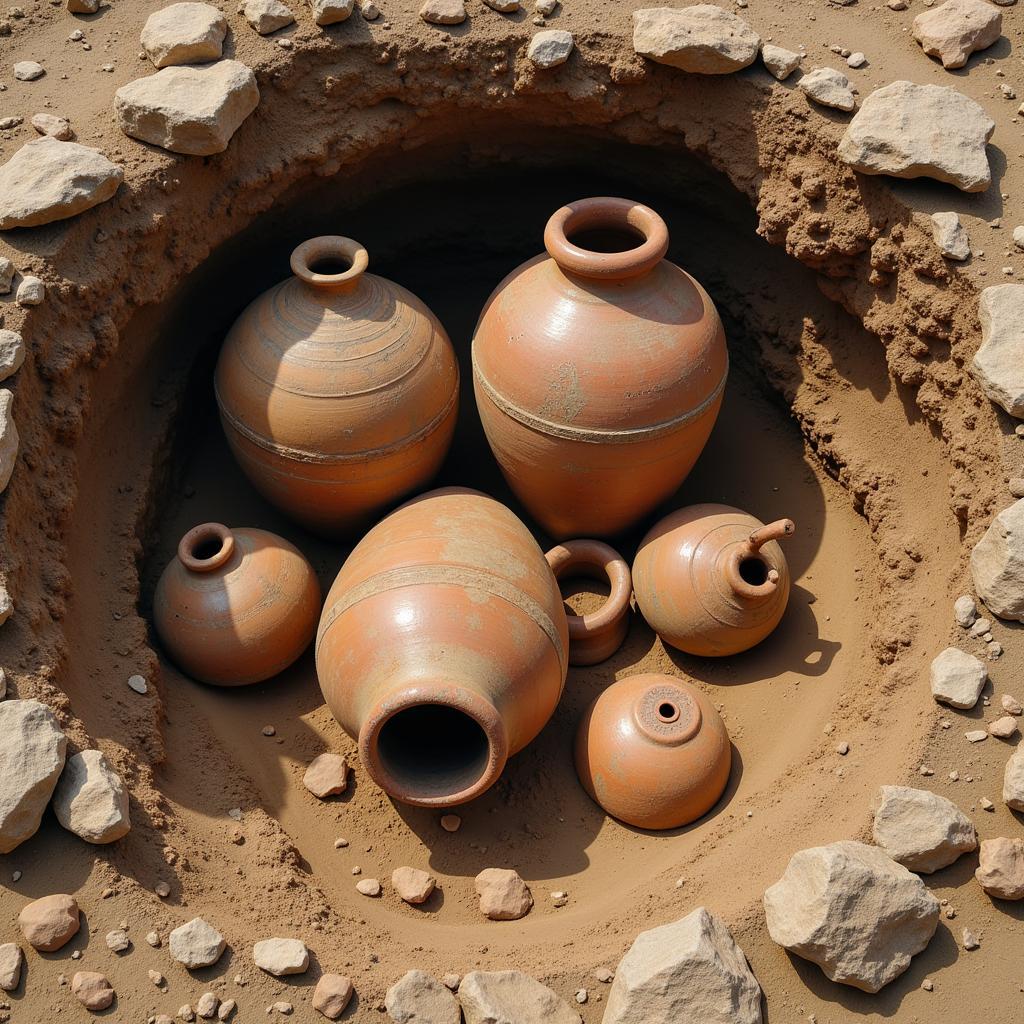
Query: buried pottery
point(653, 752)
point(235, 606)
point(337, 389)
point(603, 404)
point(443, 646)
point(712, 580)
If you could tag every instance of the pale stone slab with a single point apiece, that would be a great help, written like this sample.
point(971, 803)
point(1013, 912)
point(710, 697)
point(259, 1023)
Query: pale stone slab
point(703, 39)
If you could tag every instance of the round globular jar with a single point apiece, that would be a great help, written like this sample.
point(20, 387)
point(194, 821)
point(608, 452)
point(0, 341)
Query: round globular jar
point(653, 752)
point(338, 390)
point(443, 646)
point(712, 580)
point(598, 369)
point(235, 606)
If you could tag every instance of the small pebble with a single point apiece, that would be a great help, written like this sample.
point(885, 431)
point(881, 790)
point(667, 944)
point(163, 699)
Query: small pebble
point(269, 730)
point(340, 844)
point(856, 60)
point(369, 887)
point(603, 975)
point(970, 940)
point(451, 981)
point(581, 996)
point(1003, 728)
point(843, 749)
point(138, 684)
point(162, 889)
point(927, 985)
point(451, 822)
point(156, 977)
point(153, 939)
point(1011, 705)
point(118, 941)
point(986, 804)
point(976, 735)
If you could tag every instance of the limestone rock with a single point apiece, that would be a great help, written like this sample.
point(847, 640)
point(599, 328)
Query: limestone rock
point(83, 6)
point(28, 70)
point(504, 896)
point(50, 922)
point(703, 39)
point(196, 944)
point(413, 885)
point(281, 956)
point(92, 990)
point(780, 62)
point(267, 16)
point(997, 563)
point(55, 127)
point(913, 131)
point(184, 33)
point(510, 997)
point(951, 238)
point(193, 110)
point(828, 87)
point(6, 275)
point(10, 966)
point(1003, 728)
point(330, 12)
point(31, 291)
point(504, 6)
point(1011, 705)
point(12, 353)
point(206, 1007)
point(90, 799)
point(369, 887)
point(32, 749)
point(999, 362)
point(1001, 868)
point(1013, 781)
point(443, 12)
point(690, 970)
point(921, 830)
point(853, 911)
point(332, 995)
point(956, 29)
point(416, 998)
point(550, 47)
point(48, 180)
point(327, 775)
point(957, 678)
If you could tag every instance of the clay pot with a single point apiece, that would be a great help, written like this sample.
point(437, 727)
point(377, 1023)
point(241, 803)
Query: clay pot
point(596, 636)
point(235, 606)
point(598, 371)
point(653, 752)
point(443, 646)
point(338, 390)
point(712, 580)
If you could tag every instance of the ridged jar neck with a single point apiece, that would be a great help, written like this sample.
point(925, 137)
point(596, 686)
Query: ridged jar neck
point(330, 263)
point(433, 744)
point(606, 238)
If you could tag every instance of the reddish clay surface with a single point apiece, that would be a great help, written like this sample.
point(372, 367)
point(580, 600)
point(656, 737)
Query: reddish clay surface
point(235, 606)
point(338, 390)
point(443, 646)
point(653, 752)
point(712, 580)
point(598, 374)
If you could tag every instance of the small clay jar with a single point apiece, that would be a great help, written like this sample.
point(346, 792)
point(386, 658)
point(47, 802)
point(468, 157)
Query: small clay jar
point(443, 646)
point(597, 635)
point(598, 370)
point(653, 752)
point(712, 580)
point(338, 390)
point(235, 606)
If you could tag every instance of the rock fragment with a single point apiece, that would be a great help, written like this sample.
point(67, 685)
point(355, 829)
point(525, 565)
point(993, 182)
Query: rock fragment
point(83, 6)
point(330, 12)
point(369, 887)
point(28, 70)
point(332, 995)
point(969, 940)
point(47, 180)
point(443, 12)
point(50, 922)
point(951, 238)
point(193, 110)
point(32, 744)
point(828, 87)
point(692, 963)
point(550, 47)
point(10, 966)
point(703, 39)
point(853, 911)
point(1011, 705)
point(118, 941)
point(957, 678)
point(997, 563)
point(90, 799)
point(267, 16)
point(1003, 728)
point(184, 33)
point(489, 997)
point(1000, 869)
point(207, 1005)
point(780, 62)
point(975, 735)
point(225, 1009)
point(920, 829)
point(417, 998)
point(912, 131)
point(1013, 781)
point(504, 896)
point(504, 6)
point(999, 361)
point(55, 127)
point(12, 353)
point(956, 29)
point(196, 944)
point(327, 775)
point(281, 956)
point(31, 291)
point(92, 990)
point(6, 275)
point(413, 885)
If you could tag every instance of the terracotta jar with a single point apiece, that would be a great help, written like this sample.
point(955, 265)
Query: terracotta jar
point(653, 752)
point(235, 606)
point(598, 370)
point(443, 646)
point(712, 580)
point(338, 390)
point(597, 635)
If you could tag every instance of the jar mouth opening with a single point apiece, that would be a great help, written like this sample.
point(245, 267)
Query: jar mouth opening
point(329, 261)
point(206, 547)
